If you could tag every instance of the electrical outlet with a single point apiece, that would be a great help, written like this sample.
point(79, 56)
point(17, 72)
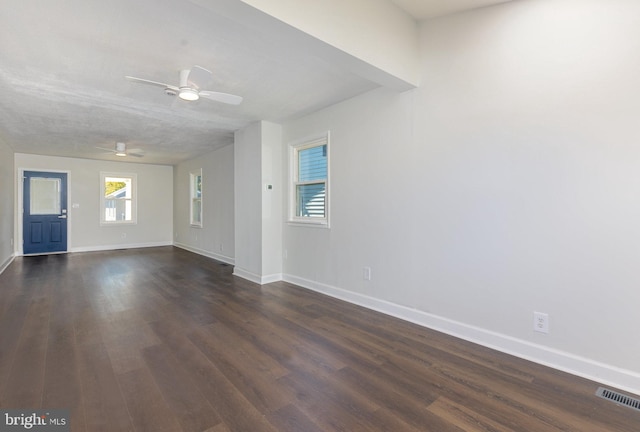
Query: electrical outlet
point(221, 247)
point(366, 273)
point(541, 322)
point(285, 254)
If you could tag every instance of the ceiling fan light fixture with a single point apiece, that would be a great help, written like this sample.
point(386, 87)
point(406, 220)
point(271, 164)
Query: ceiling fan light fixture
point(121, 149)
point(188, 94)
point(192, 86)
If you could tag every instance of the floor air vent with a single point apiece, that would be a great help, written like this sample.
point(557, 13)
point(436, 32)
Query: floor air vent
point(618, 398)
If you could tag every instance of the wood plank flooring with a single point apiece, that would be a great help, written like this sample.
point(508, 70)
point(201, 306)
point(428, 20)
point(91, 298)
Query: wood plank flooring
point(161, 339)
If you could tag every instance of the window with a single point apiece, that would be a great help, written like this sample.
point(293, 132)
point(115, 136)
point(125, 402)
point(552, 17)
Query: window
point(118, 203)
point(195, 185)
point(309, 195)
point(45, 196)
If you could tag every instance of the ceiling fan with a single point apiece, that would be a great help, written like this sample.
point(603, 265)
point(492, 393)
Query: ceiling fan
point(190, 88)
point(121, 150)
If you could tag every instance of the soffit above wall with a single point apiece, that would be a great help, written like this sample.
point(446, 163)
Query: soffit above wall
point(425, 9)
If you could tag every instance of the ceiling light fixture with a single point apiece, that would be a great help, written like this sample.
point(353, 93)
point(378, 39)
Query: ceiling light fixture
point(121, 149)
point(188, 94)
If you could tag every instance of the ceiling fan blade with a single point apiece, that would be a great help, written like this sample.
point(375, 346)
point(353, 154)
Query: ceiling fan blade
point(155, 83)
point(199, 77)
point(221, 97)
point(106, 149)
point(136, 152)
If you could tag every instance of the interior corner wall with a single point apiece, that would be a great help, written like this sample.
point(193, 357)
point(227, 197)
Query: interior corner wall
point(154, 210)
point(7, 205)
point(506, 184)
point(215, 238)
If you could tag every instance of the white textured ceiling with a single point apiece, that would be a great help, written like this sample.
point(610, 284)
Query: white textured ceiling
point(63, 92)
point(63, 62)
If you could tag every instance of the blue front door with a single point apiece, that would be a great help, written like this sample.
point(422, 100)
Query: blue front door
point(44, 221)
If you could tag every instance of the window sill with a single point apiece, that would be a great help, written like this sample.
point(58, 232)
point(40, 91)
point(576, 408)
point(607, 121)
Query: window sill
point(309, 223)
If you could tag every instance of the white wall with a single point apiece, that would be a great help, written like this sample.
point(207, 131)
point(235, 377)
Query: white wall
point(508, 183)
point(7, 199)
point(258, 210)
point(248, 201)
point(272, 217)
point(216, 236)
point(155, 202)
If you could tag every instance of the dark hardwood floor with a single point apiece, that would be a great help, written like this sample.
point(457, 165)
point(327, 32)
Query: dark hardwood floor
point(165, 340)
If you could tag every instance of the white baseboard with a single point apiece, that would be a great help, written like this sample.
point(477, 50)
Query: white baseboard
point(7, 262)
point(252, 277)
point(271, 278)
point(245, 274)
point(209, 254)
point(576, 365)
point(119, 246)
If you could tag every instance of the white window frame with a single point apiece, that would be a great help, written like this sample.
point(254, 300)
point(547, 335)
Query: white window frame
point(133, 199)
point(294, 148)
point(193, 175)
